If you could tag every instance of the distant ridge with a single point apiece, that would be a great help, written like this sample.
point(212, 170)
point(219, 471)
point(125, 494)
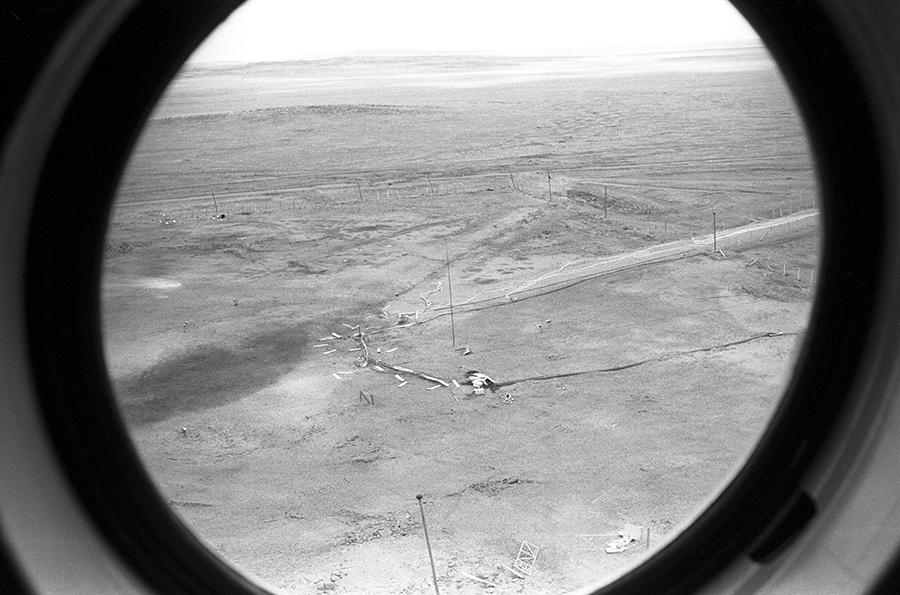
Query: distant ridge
point(583, 51)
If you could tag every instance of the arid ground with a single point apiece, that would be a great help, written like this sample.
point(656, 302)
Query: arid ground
point(280, 221)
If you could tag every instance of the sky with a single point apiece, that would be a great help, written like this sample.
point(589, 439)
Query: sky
point(273, 30)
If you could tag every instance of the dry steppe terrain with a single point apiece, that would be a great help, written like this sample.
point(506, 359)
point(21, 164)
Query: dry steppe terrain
point(234, 342)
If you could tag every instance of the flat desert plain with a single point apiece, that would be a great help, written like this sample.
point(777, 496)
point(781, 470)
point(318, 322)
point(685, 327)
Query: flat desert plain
point(306, 258)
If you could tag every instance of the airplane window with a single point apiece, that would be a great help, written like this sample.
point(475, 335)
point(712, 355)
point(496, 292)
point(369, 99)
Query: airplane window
point(549, 274)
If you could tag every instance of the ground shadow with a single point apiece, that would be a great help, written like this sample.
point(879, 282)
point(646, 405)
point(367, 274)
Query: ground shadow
point(210, 375)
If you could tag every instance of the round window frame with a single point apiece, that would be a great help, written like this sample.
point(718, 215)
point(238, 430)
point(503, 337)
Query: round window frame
point(95, 136)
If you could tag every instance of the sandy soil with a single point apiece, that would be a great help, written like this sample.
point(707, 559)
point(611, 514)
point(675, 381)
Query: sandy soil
point(218, 327)
point(230, 340)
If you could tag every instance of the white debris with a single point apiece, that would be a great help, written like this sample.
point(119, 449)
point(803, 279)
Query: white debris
point(479, 380)
point(628, 537)
point(433, 379)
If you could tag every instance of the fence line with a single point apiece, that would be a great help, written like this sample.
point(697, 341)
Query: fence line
point(536, 184)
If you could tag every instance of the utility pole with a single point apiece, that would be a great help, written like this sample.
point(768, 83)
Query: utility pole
point(549, 188)
point(359, 188)
point(605, 204)
point(450, 291)
point(715, 247)
point(428, 543)
point(430, 185)
point(215, 204)
point(511, 179)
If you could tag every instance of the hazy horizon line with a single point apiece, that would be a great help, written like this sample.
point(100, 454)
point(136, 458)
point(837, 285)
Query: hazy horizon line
point(610, 50)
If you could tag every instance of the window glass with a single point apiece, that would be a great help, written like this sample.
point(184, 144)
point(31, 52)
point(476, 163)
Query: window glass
point(548, 269)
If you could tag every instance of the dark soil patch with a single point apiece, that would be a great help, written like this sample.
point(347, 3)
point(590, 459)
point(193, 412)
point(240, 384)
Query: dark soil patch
point(303, 267)
point(495, 486)
point(211, 375)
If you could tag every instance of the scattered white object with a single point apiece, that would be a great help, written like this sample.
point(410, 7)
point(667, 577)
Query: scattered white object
point(390, 350)
point(335, 335)
point(335, 375)
point(325, 338)
point(355, 349)
point(379, 368)
point(478, 379)
point(329, 351)
point(433, 379)
point(399, 377)
point(479, 579)
point(433, 387)
point(456, 384)
point(526, 558)
point(478, 391)
point(628, 537)
point(514, 572)
point(321, 345)
point(402, 384)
